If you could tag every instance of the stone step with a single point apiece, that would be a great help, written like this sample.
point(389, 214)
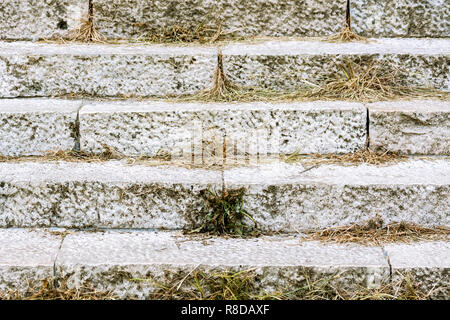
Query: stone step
point(144, 128)
point(44, 69)
point(33, 20)
point(411, 127)
point(48, 69)
point(281, 197)
point(39, 125)
point(36, 126)
point(401, 18)
point(137, 264)
point(289, 64)
point(141, 18)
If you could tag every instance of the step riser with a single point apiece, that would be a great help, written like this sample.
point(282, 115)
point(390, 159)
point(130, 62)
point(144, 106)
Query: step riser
point(113, 195)
point(144, 129)
point(288, 72)
point(401, 18)
point(33, 20)
point(125, 19)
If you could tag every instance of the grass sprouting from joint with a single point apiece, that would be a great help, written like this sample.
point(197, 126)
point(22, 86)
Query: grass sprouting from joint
point(224, 215)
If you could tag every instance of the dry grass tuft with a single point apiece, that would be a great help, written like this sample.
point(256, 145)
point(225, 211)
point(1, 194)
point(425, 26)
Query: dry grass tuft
point(356, 82)
point(86, 32)
point(222, 89)
point(372, 82)
point(224, 215)
point(346, 34)
point(374, 232)
point(199, 285)
point(203, 33)
point(49, 291)
point(365, 156)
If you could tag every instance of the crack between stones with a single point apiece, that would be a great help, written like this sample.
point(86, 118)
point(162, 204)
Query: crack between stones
point(55, 272)
point(348, 17)
point(367, 128)
point(76, 129)
point(388, 261)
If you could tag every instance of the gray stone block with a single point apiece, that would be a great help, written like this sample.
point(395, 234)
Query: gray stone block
point(26, 259)
point(42, 69)
point(37, 19)
point(114, 259)
point(140, 18)
point(287, 198)
point(411, 127)
point(401, 18)
point(36, 126)
point(110, 195)
point(288, 65)
point(144, 128)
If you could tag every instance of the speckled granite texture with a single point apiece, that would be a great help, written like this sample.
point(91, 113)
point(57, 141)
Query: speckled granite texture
point(401, 18)
point(411, 127)
point(42, 69)
point(38, 19)
point(142, 18)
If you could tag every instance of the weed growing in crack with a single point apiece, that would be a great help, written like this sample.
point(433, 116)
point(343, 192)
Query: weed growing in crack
point(225, 215)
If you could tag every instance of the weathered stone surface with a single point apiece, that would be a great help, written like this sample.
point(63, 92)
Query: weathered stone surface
point(142, 18)
point(286, 198)
point(280, 197)
point(42, 69)
point(108, 194)
point(144, 128)
point(427, 263)
point(37, 19)
point(286, 65)
point(115, 258)
point(36, 126)
point(401, 18)
point(413, 127)
point(26, 259)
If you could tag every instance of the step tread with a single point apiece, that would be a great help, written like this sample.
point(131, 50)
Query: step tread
point(414, 171)
point(288, 47)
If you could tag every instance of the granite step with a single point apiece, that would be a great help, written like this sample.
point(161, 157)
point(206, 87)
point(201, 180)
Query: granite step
point(49, 69)
point(281, 197)
point(138, 264)
point(36, 126)
point(290, 64)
